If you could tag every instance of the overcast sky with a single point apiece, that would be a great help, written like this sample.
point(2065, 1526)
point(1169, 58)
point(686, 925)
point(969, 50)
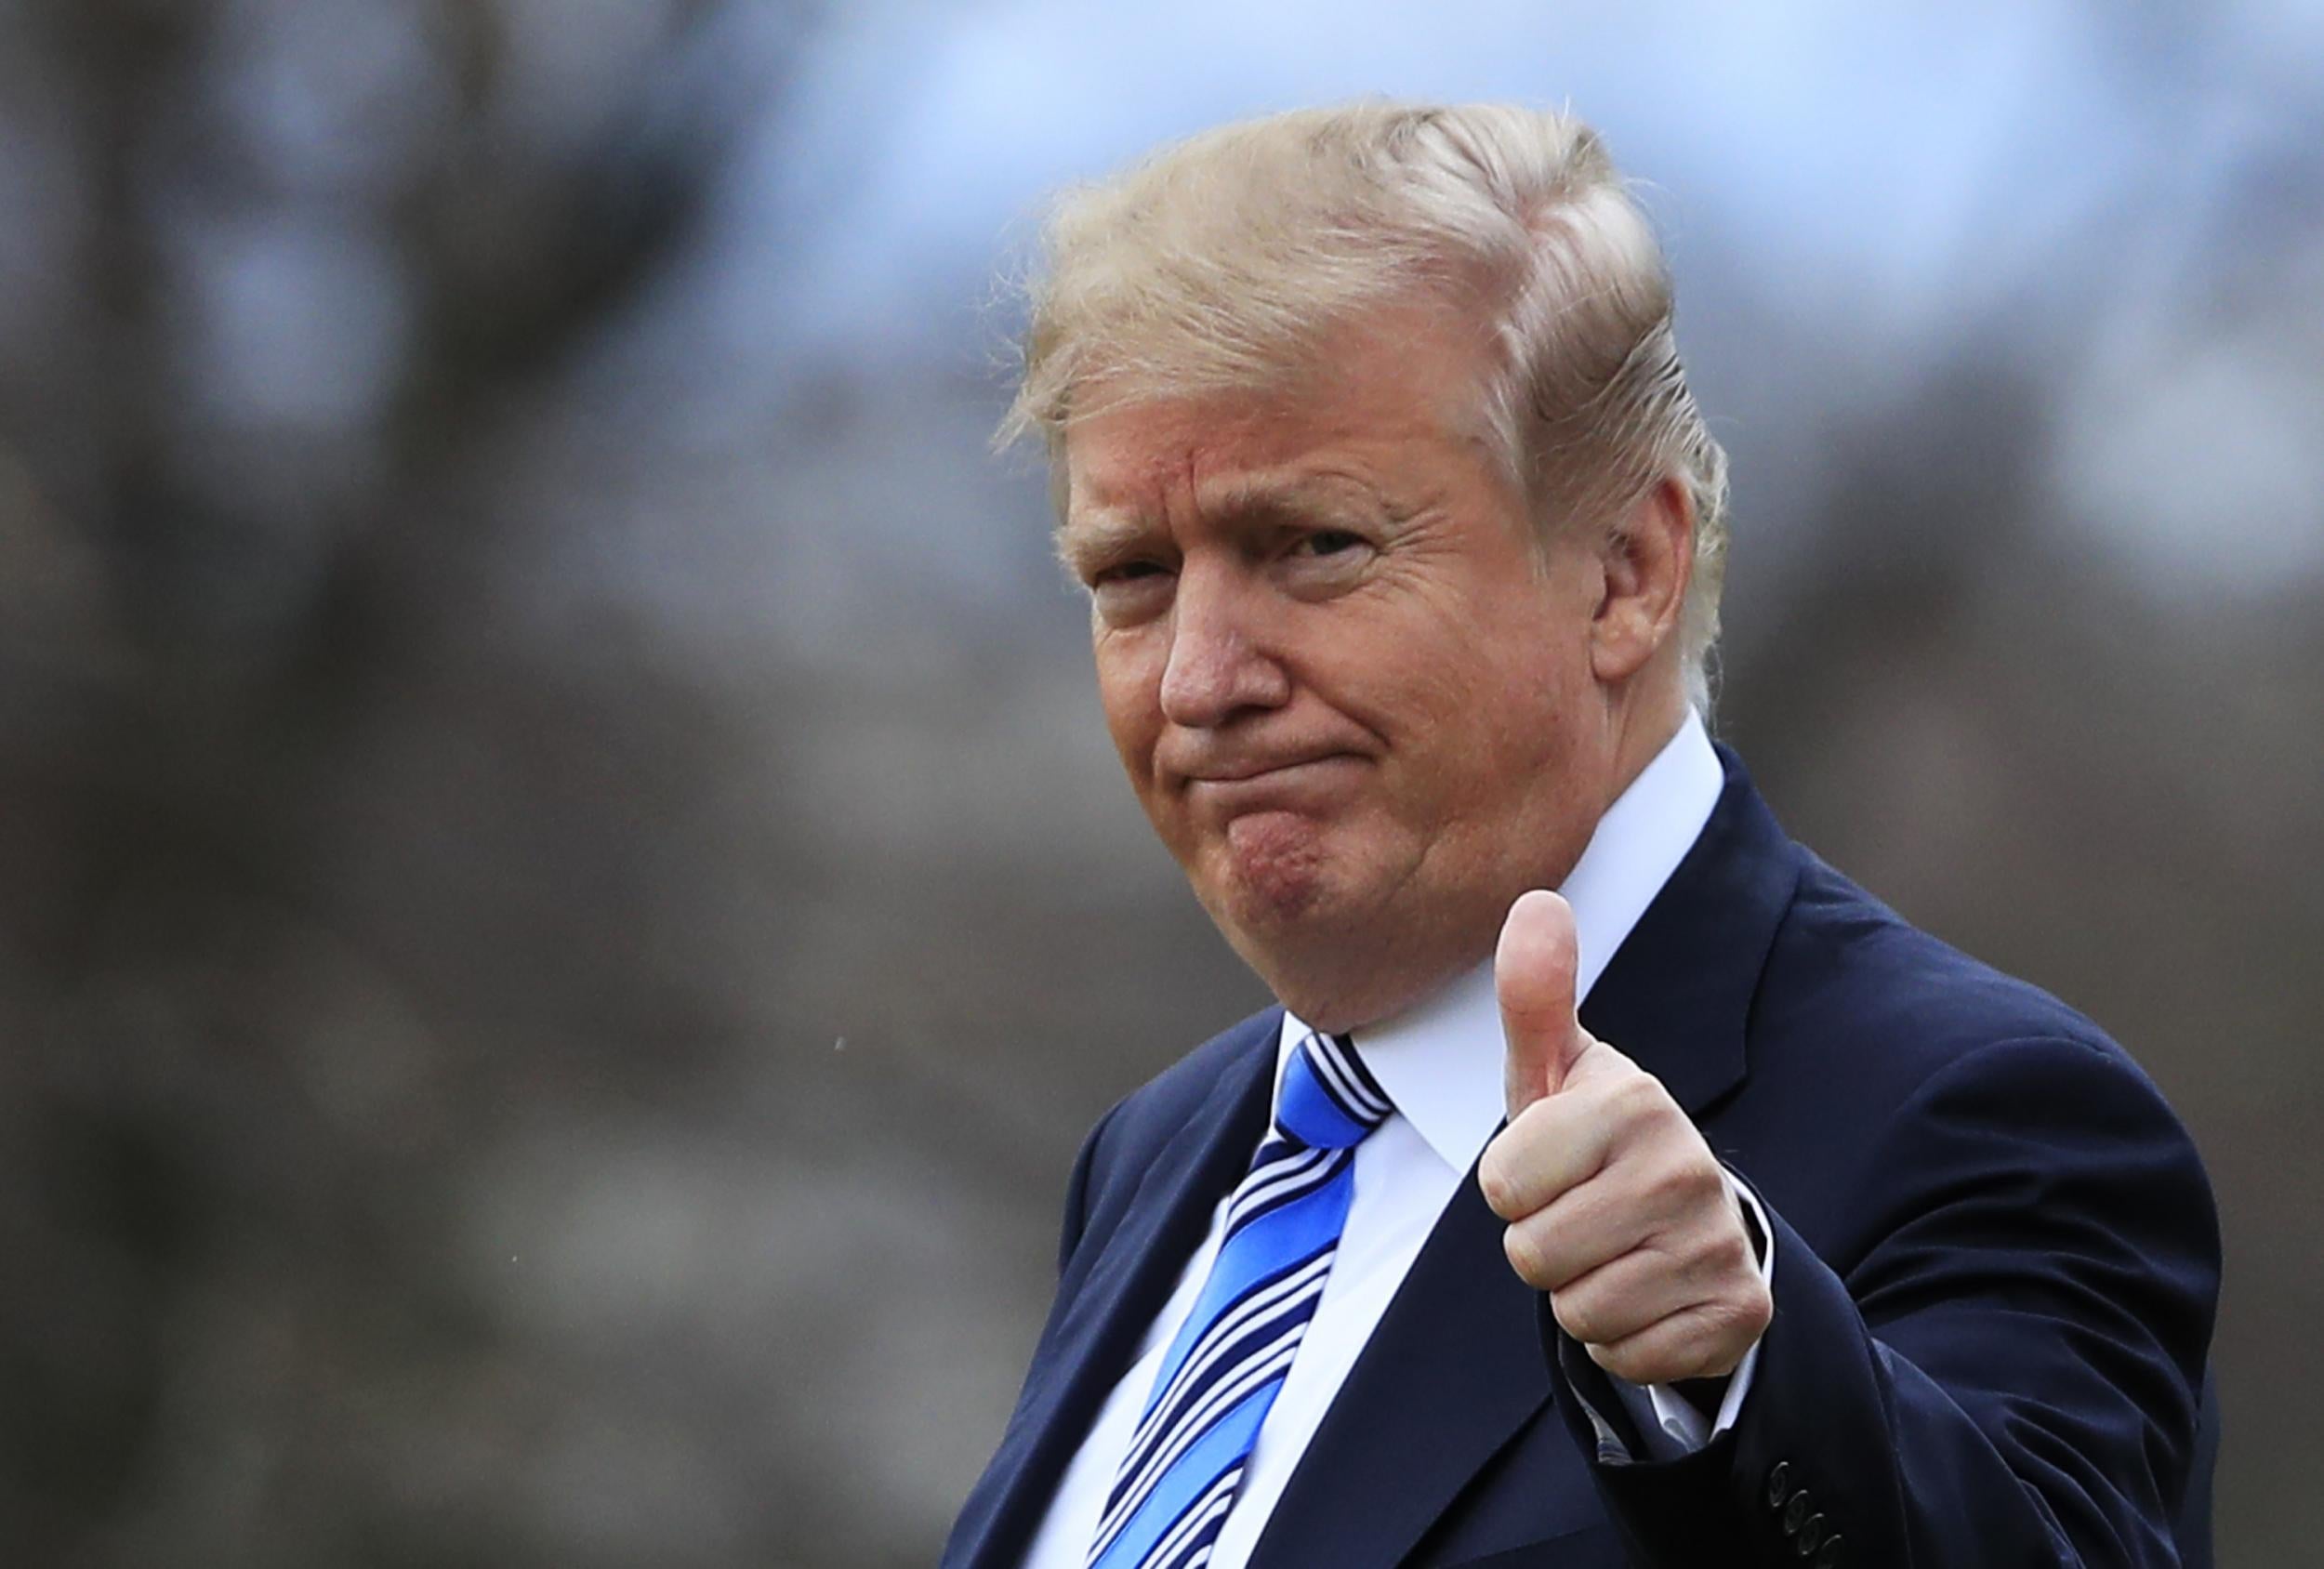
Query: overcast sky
point(1894, 180)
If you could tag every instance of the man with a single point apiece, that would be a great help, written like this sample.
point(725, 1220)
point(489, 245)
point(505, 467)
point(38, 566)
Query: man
point(1701, 1212)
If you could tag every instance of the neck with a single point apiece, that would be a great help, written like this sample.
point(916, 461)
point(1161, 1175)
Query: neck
point(1641, 734)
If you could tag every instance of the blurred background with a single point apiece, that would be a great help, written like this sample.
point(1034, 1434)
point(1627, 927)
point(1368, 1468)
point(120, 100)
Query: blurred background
point(563, 902)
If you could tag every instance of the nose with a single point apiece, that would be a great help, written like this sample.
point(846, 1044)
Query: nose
point(1221, 663)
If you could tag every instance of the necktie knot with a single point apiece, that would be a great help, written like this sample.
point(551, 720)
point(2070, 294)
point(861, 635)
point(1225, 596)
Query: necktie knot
point(1329, 1100)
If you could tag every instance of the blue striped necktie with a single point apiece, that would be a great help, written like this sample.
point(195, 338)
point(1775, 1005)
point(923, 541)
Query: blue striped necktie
point(1223, 1372)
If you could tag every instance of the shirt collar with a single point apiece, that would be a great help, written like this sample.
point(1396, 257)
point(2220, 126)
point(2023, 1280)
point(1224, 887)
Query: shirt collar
point(1439, 1061)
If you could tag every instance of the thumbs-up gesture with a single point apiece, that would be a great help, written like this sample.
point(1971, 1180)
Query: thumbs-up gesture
point(1615, 1206)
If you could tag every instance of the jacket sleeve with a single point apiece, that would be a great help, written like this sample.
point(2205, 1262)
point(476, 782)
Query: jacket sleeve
point(2005, 1370)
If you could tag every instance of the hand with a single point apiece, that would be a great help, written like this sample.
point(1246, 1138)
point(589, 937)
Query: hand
point(1617, 1206)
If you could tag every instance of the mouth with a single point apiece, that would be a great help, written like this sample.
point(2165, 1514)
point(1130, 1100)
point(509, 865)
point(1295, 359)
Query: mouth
point(1304, 782)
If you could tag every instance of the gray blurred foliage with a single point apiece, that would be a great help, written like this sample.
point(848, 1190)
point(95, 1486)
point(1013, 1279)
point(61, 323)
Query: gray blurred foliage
point(562, 899)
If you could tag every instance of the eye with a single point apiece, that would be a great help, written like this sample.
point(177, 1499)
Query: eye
point(1124, 572)
point(1127, 593)
point(1327, 542)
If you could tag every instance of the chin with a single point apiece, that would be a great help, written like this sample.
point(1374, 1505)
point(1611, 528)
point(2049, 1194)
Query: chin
point(1275, 873)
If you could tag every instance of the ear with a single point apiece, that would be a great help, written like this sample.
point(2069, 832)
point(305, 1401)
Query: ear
point(1649, 557)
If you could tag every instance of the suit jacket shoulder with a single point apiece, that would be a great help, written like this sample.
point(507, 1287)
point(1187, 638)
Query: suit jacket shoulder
point(1893, 1031)
point(1841, 949)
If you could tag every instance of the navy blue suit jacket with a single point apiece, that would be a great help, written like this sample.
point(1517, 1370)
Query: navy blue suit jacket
point(1996, 1262)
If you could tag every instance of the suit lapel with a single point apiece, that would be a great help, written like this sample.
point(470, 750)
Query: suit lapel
point(1457, 1368)
point(1452, 1373)
point(1165, 1212)
point(1677, 996)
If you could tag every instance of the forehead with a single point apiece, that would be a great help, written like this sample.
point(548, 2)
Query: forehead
point(1217, 443)
point(1395, 401)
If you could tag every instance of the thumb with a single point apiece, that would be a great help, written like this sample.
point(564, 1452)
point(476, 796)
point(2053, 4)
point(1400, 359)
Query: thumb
point(1532, 974)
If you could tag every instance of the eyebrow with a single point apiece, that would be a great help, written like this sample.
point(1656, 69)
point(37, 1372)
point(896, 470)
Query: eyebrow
point(1298, 494)
point(1085, 537)
point(1101, 531)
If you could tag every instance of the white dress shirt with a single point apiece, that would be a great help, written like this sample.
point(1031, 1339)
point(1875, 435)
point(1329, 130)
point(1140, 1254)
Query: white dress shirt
point(1441, 1063)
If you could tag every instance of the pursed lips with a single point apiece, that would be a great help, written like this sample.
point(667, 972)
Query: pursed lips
point(1256, 784)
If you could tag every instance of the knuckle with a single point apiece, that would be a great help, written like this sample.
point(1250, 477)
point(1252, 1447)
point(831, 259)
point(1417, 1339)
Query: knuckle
point(1544, 1126)
point(1723, 1257)
point(1672, 1186)
point(1529, 1122)
point(1638, 1098)
point(1628, 1091)
point(1673, 1192)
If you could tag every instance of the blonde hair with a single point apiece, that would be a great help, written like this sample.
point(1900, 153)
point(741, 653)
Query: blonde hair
point(1225, 262)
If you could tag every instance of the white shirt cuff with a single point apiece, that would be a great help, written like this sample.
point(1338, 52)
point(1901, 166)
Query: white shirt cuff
point(1671, 1424)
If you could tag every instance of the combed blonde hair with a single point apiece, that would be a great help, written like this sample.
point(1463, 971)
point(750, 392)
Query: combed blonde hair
point(1227, 260)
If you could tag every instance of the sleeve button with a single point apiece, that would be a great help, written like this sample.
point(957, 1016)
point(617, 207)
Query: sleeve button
point(1830, 1557)
point(1811, 1533)
point(1778, 1484)
point(1795, 1513)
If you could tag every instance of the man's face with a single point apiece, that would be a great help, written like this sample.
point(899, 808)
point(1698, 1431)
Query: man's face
point(1353, 695)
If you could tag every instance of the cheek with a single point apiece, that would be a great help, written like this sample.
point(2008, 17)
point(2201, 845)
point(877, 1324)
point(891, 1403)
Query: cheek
point(1456, 691)
point(1497, 717)
point(1130, 695)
